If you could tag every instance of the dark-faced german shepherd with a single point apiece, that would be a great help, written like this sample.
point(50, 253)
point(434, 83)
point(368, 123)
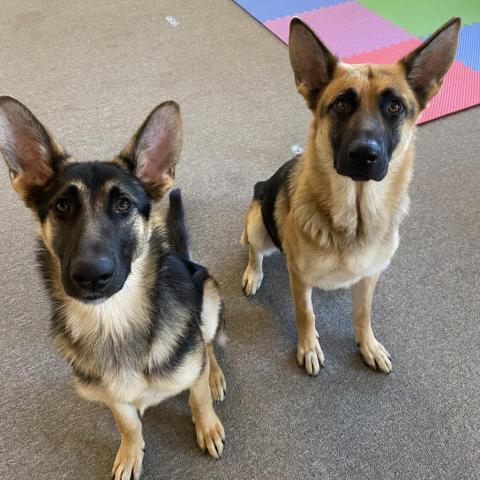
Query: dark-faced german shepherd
point(134, 317)
point(335, 211)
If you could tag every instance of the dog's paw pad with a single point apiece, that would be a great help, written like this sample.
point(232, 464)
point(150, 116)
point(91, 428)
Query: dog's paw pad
point(252, 279)
point(128, 463)
point(375, 355)
point(311, 358)
point(218, 385)
point(210, 436)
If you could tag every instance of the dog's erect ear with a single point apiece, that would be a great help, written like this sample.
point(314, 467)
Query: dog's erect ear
point(31, 153)
point(312, 62)
point(427, 65)
point(154, 149)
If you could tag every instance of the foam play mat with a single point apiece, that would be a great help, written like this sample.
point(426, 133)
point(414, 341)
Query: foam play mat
point(382, 31)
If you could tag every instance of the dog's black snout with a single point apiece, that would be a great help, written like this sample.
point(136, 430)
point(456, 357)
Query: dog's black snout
point(92, 274)
point(364, 152)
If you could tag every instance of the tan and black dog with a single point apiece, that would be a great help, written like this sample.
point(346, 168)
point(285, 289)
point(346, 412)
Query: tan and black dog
point(335, 211)
point(133, 315)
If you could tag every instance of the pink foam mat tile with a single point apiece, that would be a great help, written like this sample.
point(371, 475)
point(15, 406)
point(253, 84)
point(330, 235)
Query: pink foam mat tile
point(347, 28)
point(460, 90)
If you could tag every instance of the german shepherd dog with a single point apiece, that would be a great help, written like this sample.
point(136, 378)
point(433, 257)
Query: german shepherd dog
point(335, 211)
point(133, 315)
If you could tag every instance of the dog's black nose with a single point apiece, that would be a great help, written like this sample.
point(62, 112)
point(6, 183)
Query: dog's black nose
point(92, 274)
point(364, 152)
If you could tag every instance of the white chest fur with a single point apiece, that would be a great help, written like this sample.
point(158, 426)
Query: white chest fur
point(129, 386)
point(356, 255)
point(330, 271)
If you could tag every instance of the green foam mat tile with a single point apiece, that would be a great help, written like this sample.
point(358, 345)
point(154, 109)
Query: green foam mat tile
point(422, 17)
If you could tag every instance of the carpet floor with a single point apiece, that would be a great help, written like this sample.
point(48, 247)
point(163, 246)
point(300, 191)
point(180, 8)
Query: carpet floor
point(92, 71)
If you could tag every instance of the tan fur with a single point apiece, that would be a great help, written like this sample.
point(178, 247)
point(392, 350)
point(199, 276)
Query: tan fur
point(335, 231)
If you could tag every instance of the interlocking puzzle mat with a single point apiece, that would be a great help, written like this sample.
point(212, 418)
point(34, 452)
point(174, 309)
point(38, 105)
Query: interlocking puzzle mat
point(382, 31)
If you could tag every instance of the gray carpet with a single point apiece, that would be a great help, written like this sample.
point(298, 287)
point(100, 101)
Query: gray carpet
point(92, 71)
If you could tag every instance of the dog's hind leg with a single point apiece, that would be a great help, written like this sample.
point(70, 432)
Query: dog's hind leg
point(259, 243)
point(209, 429)
point(213, 331)
point(373, 351)
point(128, 462)
point(218, 385)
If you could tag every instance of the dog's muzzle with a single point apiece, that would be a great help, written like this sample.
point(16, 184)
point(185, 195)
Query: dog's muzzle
point(363, 160)
point(91, 278)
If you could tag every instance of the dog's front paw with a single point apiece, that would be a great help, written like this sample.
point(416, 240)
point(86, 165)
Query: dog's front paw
point(210, 434)
point(218, 385)
point(375, 355)
point(310, 356)
point(252, 279)
point(128, 463)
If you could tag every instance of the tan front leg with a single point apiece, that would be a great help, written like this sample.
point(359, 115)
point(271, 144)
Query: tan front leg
point(372, 351)
point(209, 429)
point(309, 353)
point(128, 463)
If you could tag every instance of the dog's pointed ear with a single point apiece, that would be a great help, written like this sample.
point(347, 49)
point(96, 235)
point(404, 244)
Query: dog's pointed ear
point(312, 62)
point(31, 153)
point(427, 65)
point(154, 150)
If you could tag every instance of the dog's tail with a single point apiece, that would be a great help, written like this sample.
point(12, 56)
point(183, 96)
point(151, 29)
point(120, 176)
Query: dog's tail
point(177, 231)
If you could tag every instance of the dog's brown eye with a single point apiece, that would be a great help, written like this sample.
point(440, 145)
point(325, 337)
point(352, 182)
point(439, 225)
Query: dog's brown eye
point(123, 204)
point(341, 106)
point(62, 206)
point(394, 107)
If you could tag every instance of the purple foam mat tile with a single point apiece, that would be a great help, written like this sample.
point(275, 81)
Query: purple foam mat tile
point(347, 29)
point(264, 10)
point(385, 55)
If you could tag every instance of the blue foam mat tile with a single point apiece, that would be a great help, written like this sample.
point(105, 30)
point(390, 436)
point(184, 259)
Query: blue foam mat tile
point(469, 46)
point(264, 10)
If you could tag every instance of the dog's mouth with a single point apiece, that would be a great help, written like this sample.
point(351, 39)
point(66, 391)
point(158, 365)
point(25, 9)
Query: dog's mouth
point(358, 178)
point(88, 297)
point(92, 299)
